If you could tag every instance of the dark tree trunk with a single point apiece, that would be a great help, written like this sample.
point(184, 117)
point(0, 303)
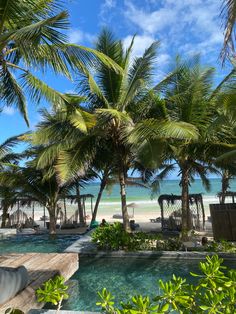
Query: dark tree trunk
point(186, 214)
point(52, 220)
point(123, 201)
point(80, 207)
point(4, 215)
point(224, 185)
point(102, 187)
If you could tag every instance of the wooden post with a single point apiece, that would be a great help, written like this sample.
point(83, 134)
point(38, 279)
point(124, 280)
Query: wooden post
point(203, 214)
point(18, 212)
point(91, 205)
point(33, 212)
point(65, 219)
point(44, 218)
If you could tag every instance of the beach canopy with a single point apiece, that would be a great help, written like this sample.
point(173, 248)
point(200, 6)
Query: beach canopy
point(133, 205)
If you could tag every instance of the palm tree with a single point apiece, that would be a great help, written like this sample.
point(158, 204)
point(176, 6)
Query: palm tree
point(228, 14)
point(111, 97)
point(189, 103)
point(32, 39)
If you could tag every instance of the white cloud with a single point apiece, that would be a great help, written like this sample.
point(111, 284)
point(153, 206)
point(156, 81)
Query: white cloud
point(108, 4)
point(8, 111)
point(178, 23)
point(141, 42)
point(77, 36)
point(149, 22)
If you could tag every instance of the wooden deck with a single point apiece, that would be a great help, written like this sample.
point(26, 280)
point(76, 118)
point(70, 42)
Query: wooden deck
point(41, 267)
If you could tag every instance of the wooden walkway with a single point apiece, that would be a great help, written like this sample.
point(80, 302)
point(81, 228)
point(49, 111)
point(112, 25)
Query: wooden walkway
point(41, 267)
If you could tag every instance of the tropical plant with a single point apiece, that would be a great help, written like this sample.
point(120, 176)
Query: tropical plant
point(32, 39)
point(190, 106)
point(8, 157)
point(38, 185)
point(228, 14)
point(53, 291)
point(214, 292)
point(109, 98)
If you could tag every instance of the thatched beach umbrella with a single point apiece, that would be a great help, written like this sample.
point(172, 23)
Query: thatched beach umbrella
point(133, 206)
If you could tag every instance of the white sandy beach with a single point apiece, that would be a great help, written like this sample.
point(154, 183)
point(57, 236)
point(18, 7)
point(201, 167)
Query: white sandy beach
point(143, 211)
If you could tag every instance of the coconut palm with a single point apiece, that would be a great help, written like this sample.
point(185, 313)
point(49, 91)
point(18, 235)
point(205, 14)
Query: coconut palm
point(228, 14)
point(189, 100)
point(32, 39)
point(111, 98)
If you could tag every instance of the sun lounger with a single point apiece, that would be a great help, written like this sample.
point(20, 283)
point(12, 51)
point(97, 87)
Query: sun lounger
point(158, 219)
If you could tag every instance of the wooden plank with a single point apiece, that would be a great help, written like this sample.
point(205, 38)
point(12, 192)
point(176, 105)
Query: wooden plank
point(41, 267)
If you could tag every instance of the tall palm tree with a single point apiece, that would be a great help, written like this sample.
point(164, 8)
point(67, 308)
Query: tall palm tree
point(111, 97)
point(228, 14)
point(32, 39)
point(189, 102)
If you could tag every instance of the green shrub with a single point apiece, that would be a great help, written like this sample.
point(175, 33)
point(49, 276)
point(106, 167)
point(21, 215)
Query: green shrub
point(214, 292)
point(221, 246)
point(53, 291)
point(113, 237)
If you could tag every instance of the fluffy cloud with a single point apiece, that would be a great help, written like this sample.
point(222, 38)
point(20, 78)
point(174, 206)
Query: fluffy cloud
point(8, 111)
point(179, 24)
point(141, 42)
point(76, 36)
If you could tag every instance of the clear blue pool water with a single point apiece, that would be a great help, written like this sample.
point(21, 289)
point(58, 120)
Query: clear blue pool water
point(123, 277)
point(36, 243)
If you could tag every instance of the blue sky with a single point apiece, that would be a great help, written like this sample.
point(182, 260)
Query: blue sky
point(184, 27)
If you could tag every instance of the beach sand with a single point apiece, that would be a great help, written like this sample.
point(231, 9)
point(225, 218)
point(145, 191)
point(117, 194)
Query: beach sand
point(142, 212)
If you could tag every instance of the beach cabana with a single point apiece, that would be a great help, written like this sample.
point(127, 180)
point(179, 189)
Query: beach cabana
point(171, 213)
point(74, 199)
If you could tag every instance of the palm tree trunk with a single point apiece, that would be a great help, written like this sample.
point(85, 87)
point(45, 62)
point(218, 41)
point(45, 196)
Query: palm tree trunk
point(4, 215)
point(102, 187)
point(80, 207)
point(186, 215)
point(224, 185)
point(52, 219)
point(123, 201)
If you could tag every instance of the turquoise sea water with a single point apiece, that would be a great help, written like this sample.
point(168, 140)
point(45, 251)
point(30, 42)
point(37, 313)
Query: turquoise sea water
point(166, 187)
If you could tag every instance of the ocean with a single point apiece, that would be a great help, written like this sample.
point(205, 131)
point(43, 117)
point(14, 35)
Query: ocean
point(135, 193)
point(145, 207)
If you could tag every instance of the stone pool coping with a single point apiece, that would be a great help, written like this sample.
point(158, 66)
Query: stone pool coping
point(85, 247)
point(42, 311)
point(6, 232)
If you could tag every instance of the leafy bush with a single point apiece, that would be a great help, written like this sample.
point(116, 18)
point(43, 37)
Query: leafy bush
point(214, 292)
point(53, 291)
point(221, 246)
point(113, 237)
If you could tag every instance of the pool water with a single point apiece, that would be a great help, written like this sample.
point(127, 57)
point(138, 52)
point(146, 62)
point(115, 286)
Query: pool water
point(123, 278)
point(36, 243)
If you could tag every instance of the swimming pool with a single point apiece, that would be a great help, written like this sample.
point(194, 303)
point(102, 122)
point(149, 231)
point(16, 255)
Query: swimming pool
point(123, 277)
point(39, 243)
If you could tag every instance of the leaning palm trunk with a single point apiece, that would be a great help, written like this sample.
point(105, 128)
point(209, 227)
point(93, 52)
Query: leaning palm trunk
point(102, 187)
point(80, 207)
point(186, 215)
point(123, 201)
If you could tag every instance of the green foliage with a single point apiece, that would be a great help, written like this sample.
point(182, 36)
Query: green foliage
point(113, 237)
point(53, 291)
point(222, 246)
point(13, 311)
point(214, 292)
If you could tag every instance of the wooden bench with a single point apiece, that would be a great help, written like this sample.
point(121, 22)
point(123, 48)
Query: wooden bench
point(41, 267)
